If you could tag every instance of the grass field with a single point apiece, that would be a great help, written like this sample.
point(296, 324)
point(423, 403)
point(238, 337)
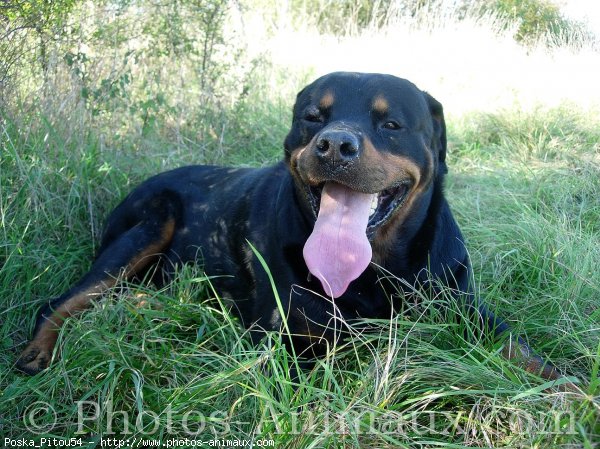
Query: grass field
point(524, 184)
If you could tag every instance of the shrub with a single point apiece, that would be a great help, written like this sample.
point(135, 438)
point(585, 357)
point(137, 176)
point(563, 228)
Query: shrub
point(537, 19)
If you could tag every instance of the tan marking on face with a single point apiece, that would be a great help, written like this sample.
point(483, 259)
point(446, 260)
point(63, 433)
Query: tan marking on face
point(392, 168)
point(384, 236)
point(299, 157)
point(299, 181)
point(380, 104)
point(295, 161)
point(326, 100)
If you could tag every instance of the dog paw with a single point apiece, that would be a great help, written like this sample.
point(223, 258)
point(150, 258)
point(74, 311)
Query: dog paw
point(34, 358)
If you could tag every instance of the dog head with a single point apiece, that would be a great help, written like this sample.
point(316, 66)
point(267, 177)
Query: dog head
point(364, 149)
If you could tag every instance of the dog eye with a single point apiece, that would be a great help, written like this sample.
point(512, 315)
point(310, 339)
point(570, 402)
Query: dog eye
point(313, 116)
point(392, 124)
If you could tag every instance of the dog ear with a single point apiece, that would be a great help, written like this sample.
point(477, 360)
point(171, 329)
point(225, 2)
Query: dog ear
point(439, 128)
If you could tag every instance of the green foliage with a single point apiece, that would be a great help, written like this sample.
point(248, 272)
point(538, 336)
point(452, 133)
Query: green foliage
point(27, 29)
point(124, 66)
point(536, 19)
point(42, 15)
point(342, 17)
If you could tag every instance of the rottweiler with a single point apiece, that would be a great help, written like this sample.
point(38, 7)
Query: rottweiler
point(358, 193)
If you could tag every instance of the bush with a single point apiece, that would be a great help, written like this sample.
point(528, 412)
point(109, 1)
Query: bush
point(538, 19)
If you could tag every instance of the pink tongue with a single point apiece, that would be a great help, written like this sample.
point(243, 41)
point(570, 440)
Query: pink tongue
point(338, 251)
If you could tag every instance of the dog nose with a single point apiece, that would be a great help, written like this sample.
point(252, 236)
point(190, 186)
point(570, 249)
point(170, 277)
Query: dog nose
point(337, 145)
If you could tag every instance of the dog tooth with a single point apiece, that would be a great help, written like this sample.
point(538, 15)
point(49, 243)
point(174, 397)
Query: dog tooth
point(373, 207)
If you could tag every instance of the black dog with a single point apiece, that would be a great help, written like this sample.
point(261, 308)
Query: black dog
point(361, 182)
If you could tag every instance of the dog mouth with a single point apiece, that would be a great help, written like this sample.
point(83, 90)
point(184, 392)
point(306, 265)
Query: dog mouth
point(339, 250)
point(382, 208)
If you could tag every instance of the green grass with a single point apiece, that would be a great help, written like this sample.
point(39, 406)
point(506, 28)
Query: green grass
point(524, 187)
point(166, 363)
